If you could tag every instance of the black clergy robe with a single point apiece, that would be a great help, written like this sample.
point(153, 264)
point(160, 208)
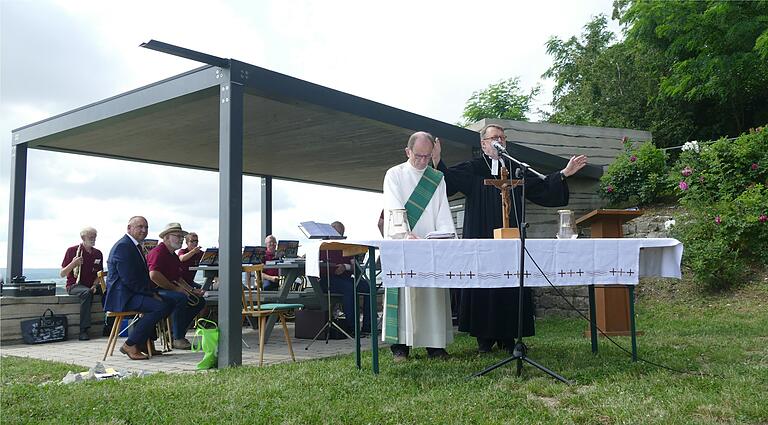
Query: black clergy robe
point(492, 313)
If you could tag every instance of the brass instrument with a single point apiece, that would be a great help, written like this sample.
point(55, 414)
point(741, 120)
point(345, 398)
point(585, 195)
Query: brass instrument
point(76, 270)
point(192, 299)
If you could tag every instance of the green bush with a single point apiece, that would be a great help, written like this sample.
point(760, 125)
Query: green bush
point(637, 177)
point(723, 188)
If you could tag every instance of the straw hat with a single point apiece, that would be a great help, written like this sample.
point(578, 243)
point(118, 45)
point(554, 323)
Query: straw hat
point(172, 228)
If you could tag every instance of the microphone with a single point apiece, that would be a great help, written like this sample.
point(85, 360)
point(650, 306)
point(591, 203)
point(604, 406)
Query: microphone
point(499, 148)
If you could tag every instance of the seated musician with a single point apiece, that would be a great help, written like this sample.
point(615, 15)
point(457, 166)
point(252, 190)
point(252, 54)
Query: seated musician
point(271, 277)
point(81, 264)
point(190, 257)
point(166, 272)
point(337, 270)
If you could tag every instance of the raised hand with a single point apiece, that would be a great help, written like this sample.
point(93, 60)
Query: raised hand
point(436, 151)
point(575, 164)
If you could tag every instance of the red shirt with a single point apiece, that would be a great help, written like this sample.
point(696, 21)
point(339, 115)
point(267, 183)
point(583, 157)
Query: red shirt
point(93, 262)
point(189, 275)
point(164, 261)
point(335, 258)
point(269, 256)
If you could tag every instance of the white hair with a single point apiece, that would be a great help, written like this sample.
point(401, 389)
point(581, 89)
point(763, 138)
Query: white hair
point(88, 230)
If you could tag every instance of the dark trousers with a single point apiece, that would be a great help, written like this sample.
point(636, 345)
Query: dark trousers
point(343, 285)
point(86, 297)
point(183, 313)
point(154, 310)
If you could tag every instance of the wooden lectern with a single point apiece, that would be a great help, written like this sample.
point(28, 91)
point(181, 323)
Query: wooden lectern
point(607, 223)
point(613, 309)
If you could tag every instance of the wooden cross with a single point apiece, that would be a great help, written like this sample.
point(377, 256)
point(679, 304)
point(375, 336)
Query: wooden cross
point(503, 184)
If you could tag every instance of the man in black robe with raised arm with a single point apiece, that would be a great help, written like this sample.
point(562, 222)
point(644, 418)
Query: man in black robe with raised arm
point(490, 314)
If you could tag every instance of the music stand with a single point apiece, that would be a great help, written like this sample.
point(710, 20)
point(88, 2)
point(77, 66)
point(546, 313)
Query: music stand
point(520, 351)
point(326, 232)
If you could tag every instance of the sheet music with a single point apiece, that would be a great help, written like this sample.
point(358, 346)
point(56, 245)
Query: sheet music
point(313, 230)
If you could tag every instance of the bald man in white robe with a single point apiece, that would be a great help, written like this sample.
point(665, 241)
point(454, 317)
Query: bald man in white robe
point(424, 314)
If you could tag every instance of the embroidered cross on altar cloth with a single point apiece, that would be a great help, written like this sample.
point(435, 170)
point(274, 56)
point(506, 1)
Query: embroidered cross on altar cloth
point(493, 263)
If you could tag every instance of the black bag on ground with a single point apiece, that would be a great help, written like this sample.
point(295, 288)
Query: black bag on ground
point(47, 328)
point(308, 324)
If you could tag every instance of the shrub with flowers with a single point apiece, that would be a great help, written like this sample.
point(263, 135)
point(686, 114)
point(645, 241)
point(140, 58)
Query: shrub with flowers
point(724, 189)
point(637, 177)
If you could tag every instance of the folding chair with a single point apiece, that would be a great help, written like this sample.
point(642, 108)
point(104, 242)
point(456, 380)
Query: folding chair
point(163, 327)
point(252, 307)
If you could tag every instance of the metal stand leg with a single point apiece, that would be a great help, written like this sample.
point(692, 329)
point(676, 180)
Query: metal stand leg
point(631, 289)
point(592, 319)
point(331, 321)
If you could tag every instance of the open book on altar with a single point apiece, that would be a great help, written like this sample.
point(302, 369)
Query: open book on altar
point(313, 230)
point(440, 235)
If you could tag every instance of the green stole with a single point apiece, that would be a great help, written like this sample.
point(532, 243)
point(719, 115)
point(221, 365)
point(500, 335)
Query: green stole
point(415, 206)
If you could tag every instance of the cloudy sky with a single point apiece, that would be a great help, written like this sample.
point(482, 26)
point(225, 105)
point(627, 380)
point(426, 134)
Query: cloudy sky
point(426, 57)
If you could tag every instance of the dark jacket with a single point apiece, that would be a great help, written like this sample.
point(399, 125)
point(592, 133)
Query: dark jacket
point(127, 275)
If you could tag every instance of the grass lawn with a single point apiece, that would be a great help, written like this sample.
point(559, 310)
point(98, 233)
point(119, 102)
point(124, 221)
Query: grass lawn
point(721, 339)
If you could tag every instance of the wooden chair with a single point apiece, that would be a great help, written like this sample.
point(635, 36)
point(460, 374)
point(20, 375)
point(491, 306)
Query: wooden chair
point(252, 307)
point(163, 331)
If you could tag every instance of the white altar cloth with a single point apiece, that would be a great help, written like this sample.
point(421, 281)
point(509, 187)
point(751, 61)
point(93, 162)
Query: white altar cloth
point(493, 263)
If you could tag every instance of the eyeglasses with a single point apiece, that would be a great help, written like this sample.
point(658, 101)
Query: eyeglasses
point(496, 138)
point(193, 241)
point(421, 157)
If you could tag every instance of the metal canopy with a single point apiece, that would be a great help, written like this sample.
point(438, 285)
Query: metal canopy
point(237, 119)
point(292, 129)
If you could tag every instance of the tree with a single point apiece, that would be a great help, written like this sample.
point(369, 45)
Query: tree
point(718, 52)
point(501, 100)
point(686, 70)
point(609, 85)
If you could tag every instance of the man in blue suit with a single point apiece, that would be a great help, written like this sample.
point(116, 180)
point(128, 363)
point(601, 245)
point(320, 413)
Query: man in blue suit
point(130, 289)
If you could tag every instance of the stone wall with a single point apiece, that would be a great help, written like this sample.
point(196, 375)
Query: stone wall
point(15, 309)
point(549, 303)
point(651, 224)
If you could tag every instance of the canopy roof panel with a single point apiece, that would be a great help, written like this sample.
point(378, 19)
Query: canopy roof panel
point(292, 129)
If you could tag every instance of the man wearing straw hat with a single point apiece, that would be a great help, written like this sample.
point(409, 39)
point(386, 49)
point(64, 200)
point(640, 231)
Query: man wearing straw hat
point(167, 273)
point(81, 265)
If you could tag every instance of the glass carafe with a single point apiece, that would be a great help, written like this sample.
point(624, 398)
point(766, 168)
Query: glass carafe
point(566, 224)
point(398, 224)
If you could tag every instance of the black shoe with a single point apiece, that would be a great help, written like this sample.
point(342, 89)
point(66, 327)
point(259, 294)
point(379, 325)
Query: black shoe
point(506, 344)
point(400, 352)
point(437, 353)
point(84, 336)
point(484, 345)
point(510, 346)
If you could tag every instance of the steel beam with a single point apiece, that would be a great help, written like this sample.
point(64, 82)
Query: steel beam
point(230, 219)
point(266, 206)
point(16, 211)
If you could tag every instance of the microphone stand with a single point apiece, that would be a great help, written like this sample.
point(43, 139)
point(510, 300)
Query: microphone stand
point(519, 353)
point(331, 323)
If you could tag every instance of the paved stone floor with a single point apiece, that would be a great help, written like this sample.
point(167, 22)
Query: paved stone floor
point(88, 353)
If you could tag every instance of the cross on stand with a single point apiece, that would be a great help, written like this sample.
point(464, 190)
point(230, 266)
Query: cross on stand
point(503, 184)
